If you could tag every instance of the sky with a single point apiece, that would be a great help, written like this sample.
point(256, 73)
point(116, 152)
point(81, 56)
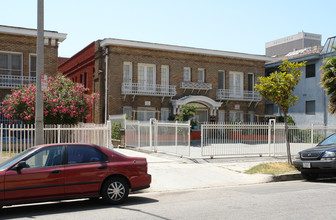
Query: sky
point(229, 25)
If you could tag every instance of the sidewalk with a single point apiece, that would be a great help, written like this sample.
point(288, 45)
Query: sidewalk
point(171, 173)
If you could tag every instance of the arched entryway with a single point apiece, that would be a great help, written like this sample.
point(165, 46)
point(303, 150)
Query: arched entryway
point(207, 106)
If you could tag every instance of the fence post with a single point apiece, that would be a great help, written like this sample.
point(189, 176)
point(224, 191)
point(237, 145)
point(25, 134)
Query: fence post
point(269, 138)
point(139, 139)
point(189, 137)
point(58, 133)
point(176, 135)
point(312, 135)
point(9, 141)
point(202, 139)
point(1, 136)
point(108, 133)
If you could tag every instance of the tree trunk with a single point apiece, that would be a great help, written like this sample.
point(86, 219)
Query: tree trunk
point(287, 141)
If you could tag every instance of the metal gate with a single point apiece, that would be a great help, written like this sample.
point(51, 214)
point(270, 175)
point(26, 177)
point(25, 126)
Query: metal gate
point(159, 136)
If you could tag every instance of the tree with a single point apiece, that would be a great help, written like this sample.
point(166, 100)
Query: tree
point(328, 80)
point(188, 111)
point(65, 102)
point(278, 87)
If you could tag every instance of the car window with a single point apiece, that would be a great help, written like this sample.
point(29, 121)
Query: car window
point(84, 154)
point(46, 157)
point(13, 160)
point(329, 140)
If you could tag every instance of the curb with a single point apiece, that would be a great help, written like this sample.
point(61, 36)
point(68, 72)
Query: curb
point(287, 177)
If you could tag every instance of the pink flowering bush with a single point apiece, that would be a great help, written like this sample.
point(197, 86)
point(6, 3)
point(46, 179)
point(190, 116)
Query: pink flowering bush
point(65, 102)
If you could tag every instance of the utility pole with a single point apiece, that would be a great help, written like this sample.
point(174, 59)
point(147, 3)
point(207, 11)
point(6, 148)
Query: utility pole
point(39, 136)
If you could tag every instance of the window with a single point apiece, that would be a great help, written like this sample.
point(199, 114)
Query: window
point(165, 78)
point(236, 84)
point(164, 114)
point(250, 116)
point(146, 113)
point(86, 80)
point(10, 64)
point(32, 65)
point(221, 116)
point(236, 116)
point(310, 107)
point(187, 74)
point(128, 111)
point(146, 77)
point(81, 79)
point(201, 75)
point(221, 79)
point(250, 82)
point(202, 115)
point(51, 156)
point(310, 70)
point(269, 109)
point(84, 154)
point(127, 72)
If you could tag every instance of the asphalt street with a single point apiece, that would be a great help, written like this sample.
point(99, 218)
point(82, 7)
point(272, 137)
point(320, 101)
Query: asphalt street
point(281, 200)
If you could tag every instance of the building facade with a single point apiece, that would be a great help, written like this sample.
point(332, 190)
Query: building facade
point(312, 107)
point(80, 68)
point(146, 80)
point(18, 56)
point(285, 45)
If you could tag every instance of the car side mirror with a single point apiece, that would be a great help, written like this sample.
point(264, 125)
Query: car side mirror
point(21, 165)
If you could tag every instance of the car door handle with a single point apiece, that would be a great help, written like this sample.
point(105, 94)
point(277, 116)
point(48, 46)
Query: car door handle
point(56, 171)
point(102, 167)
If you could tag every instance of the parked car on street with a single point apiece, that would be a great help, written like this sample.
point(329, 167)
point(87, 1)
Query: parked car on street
point(68, 171)
point(319, 161)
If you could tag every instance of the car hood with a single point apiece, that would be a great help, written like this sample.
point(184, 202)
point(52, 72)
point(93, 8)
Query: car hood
point(321, 148)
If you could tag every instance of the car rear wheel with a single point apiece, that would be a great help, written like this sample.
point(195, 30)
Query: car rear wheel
point(309, 176)
point(115, 190)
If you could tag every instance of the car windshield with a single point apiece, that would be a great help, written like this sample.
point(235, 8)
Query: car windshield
point(13, 160)
point(329, 140)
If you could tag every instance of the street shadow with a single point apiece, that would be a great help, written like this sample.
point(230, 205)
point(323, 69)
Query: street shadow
point(62, 207)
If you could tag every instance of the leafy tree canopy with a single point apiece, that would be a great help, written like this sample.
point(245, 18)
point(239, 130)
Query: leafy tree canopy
point(328, 80)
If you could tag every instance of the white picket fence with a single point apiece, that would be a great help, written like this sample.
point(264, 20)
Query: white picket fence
point(161, 136)
point(19, 137)
point(259, 138)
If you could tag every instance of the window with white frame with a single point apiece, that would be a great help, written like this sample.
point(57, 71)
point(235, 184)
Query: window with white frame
point(221, 116)
point(236, 116)
point(164, 114)
point(201, 75)
point(250, 116)
point(128, 111)
point(236, 84)
point(221, 79)
point(32, 65)
point(187, 74)
point(127, 68)
point(147, 76)
point(146, 113)
point(165, 78)
point(10, 64)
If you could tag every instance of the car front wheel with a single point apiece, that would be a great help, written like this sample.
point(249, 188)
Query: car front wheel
point(115, 190)
point(309, 176)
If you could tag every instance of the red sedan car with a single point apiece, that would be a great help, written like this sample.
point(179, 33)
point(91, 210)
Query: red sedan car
point(68, 171)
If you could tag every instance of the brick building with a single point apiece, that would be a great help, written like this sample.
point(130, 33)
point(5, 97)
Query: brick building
point(80, 67)
point(18, 56)
point(155, 80)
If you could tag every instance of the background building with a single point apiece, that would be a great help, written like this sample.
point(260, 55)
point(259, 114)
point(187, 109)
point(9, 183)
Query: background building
point(155, 80)
point(312, 107)
point(18, 56)
point(283, 46)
